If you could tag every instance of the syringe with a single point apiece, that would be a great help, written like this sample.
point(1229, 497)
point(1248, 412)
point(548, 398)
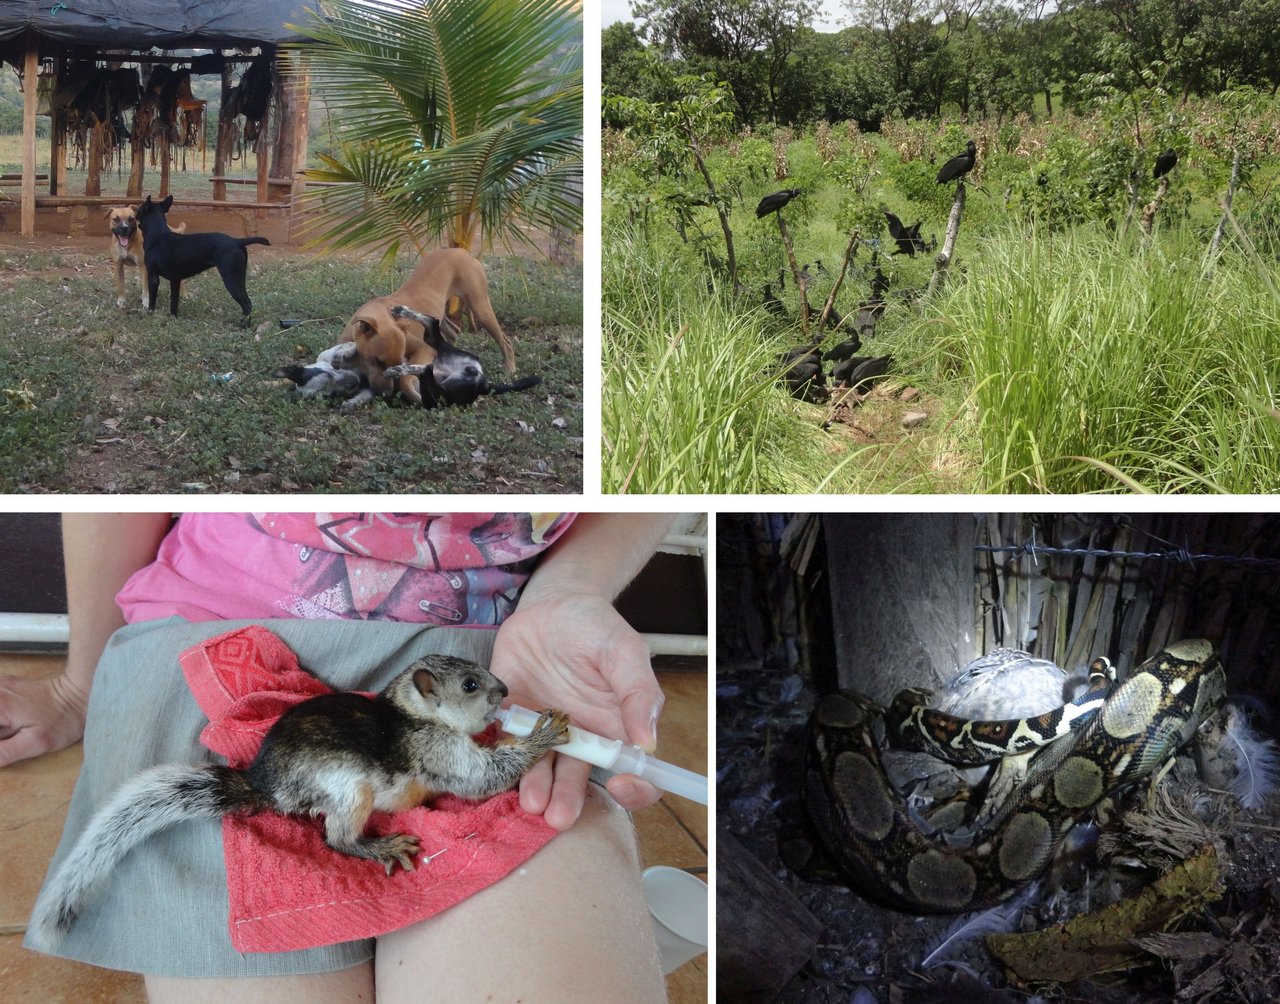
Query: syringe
point(612, 754)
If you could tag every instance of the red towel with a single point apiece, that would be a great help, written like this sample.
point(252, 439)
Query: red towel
point(287, 889)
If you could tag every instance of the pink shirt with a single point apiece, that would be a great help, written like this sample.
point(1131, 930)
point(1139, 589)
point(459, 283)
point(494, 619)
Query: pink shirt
point(433, 568)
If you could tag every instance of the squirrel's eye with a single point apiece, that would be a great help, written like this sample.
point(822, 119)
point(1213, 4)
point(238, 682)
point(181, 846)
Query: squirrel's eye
point(469, 685)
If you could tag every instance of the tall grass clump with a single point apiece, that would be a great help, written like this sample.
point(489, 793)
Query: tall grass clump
point(1096, 363)
point(690, 402)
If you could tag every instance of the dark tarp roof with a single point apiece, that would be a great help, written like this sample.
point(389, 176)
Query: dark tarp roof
point(165, 24)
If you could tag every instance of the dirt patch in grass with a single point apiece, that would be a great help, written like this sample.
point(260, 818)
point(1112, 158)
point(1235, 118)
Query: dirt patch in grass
point(94, 398)
point(881, 416)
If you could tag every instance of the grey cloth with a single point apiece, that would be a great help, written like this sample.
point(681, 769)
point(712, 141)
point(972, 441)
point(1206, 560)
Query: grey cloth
point(164, 910)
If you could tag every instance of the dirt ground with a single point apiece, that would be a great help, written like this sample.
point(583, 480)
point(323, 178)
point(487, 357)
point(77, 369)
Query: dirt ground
point(159, 416)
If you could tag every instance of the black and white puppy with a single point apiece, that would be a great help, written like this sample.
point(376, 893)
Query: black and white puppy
point(331, 375)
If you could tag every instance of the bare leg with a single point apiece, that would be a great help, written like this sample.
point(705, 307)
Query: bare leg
point(569, 925)
point(354, 984)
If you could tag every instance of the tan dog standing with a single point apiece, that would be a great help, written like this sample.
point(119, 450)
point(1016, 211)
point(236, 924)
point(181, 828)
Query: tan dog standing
point(383, 340)
point(126, 248)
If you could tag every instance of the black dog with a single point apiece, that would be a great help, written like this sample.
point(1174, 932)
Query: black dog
point(180, 256)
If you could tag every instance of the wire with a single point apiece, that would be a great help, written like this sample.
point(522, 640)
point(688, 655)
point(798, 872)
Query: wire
point(1178, 554)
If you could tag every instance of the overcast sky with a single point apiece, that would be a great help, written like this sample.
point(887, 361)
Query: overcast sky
point(834, 15)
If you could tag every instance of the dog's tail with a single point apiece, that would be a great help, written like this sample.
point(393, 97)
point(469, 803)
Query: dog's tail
point(524, 383)
point(155, 799)
point(245, 241)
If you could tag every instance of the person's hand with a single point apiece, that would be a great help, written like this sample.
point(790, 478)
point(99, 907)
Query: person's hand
point(38, 716)
point(574, 652)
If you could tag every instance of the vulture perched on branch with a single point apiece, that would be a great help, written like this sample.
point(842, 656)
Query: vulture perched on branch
point(772, 203)
point(960, 164)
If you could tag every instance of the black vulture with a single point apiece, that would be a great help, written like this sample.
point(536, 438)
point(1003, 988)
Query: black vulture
point(868, 317)
point(822, 269)
point(782, 279)
point(803, 375)
point(772, 303)
point(861, 372)
point(802, 353)
point(1165, 163)
point(907, 238)
point(844, 350)
point(960, 164)
point(805, 278)
point(879, 286)
point(772, 203)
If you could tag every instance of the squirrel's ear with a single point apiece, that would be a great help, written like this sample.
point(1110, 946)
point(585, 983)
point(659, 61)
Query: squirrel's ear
point(424, 681)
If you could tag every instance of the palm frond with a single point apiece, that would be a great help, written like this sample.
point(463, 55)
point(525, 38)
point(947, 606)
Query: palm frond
point(455, 114)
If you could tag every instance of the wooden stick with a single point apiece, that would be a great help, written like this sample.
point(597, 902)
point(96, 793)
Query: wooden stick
point(943, 261)
point(795, 274)
point(1236, 157)
point(1151, 208)
point(831, 297)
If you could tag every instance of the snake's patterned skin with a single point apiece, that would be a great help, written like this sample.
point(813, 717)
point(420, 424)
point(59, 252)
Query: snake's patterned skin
point(1113, 739)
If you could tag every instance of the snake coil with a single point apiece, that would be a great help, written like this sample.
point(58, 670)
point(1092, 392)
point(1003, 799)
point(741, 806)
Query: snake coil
point(1052, 770)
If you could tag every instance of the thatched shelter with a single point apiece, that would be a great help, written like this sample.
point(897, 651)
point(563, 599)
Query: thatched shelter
point(94, 68)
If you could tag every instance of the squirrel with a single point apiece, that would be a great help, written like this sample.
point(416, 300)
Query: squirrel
point(340, 755)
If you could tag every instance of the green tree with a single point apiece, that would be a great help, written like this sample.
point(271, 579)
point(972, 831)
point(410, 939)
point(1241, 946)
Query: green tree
point(674, 131)
point(746, 43)
point(627, 67)
point(461, 119)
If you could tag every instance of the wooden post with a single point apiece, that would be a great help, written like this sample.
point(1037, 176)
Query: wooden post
point(222, 149)
point(263, 150)
point(57, 138)
point(30, 73)
point(301, 124)
point(895, 627)
point(163, 154)
point(1236, 157)
point(795, 274)
point(93, 179)
point(1151, 208)
point(138, 165)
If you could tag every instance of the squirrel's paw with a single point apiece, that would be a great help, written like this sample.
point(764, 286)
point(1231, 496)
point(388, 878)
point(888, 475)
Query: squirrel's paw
point(552, 727)
point(399, 848)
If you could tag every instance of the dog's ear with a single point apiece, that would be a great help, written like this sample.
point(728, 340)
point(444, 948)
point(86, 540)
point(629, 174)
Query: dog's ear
point(145, 205)
point(164, 206)
point(363, 328)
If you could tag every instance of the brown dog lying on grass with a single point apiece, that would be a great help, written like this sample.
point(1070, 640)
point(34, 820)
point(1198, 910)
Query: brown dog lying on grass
point(383, 340)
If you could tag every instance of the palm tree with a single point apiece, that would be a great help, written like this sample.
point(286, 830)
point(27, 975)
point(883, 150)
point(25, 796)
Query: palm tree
point(460, 120)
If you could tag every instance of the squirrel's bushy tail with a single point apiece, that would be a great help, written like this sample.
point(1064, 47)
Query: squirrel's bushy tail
point(157, 798)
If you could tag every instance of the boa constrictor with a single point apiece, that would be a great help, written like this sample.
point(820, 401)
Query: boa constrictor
point(897, 859)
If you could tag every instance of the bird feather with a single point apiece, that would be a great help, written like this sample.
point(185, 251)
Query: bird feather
point(1257, 761)
point(1000, 919)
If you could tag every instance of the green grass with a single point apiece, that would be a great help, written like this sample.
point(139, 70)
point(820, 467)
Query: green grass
point(692, 404)
point(98, 399)
point(1080, 362)
point(1058, 357)
point(1094, 363)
